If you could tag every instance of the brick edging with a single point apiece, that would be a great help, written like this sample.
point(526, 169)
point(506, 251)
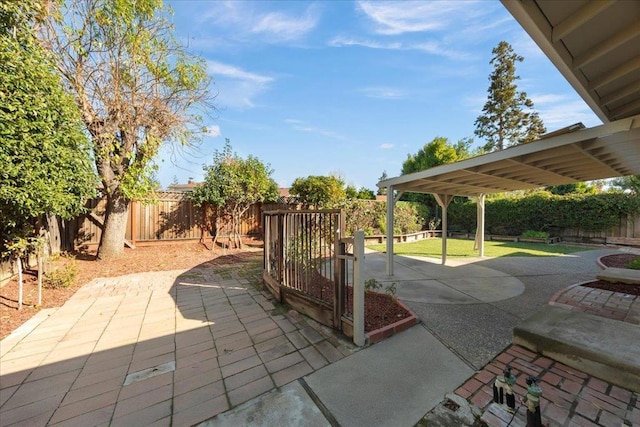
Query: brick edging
point(394, 328)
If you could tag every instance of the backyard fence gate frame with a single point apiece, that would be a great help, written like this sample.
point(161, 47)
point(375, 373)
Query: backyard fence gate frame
point(306, 264)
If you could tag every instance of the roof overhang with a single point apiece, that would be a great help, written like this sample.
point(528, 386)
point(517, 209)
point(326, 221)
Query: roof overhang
point(594, 44)
point(606, 151)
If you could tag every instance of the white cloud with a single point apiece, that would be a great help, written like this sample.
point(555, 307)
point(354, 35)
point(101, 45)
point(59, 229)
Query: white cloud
point(301, 126)
point(246, 20)
point(524, 45)
point(220, 69)
point(454, 27)
point(432, 47)
point(563, 114)
point(213, 131)
point(386, 146)
point(392, 18)
point(238, 87)
point(548, 98)
point(286, 27)
point(341, 41)
point(383, 92)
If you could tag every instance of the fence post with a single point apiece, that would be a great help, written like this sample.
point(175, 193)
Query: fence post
point(338, 279)
point(281, 249)
point(358, 288)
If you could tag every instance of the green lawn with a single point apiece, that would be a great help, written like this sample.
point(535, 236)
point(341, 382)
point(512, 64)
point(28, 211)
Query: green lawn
point(464, 248)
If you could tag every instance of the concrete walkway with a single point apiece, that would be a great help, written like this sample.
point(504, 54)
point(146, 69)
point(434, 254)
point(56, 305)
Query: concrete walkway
point(207, 346)
point(425, 280)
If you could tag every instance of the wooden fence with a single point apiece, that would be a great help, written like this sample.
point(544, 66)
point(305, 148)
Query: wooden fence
point(173, 217)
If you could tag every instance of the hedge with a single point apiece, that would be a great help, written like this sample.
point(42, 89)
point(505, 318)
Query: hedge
point(543, 211)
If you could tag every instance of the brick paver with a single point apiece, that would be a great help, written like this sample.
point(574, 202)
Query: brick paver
point(569, 397)
point(599, 302)
point(221, 339)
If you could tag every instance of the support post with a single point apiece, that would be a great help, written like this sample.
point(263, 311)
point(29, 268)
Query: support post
point(390, 204)
point(444, 200)
point(479, 243)
point(358, 289)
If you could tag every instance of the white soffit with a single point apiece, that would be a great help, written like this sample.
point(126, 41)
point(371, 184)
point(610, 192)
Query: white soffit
point(595, 44)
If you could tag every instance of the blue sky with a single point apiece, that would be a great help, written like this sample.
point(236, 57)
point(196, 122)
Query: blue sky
point(352, 87)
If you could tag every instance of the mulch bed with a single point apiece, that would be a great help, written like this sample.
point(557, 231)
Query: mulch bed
point(380, 309)
point(616, 261)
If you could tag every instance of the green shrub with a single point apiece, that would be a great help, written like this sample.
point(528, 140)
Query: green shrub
point(635, 264)
point(62, 277)
point(531, 234)
point(407, 218)
point(543, 211)
point(382, 225)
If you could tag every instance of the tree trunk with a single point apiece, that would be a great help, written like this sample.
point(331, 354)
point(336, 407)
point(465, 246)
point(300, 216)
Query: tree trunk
point(115, 227)
point(53, 234)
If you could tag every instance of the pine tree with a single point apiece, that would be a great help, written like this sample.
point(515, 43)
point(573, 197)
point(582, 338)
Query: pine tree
point(507, 117)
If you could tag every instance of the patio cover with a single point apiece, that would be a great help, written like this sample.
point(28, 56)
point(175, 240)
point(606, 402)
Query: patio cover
point(563, 157)
point(596, 46)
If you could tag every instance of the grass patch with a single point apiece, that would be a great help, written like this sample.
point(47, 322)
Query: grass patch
point(464, 248)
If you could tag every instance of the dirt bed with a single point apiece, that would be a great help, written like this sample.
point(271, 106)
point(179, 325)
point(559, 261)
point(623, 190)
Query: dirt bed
point(616, 261)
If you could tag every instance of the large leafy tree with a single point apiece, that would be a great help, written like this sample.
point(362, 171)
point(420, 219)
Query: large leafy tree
point(572, 188)
point(136, 88)
point(630, 183)
point(438, 151)
point(320, 191)
point(507, 117)
point(45, 168)
point(232, 184)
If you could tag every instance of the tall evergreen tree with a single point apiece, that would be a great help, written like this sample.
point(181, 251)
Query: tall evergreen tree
point(382, 191)
point(507, 117)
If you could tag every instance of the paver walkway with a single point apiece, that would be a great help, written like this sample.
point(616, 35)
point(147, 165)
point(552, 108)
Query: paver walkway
point(570, 397)
point(157, 348)
point(600, 302)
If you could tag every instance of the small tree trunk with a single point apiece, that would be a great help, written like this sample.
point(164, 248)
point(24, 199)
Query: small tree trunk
point(54, 235)
point(215, 237)
point(114, 228)
point(19, 283)
point(237, 214)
